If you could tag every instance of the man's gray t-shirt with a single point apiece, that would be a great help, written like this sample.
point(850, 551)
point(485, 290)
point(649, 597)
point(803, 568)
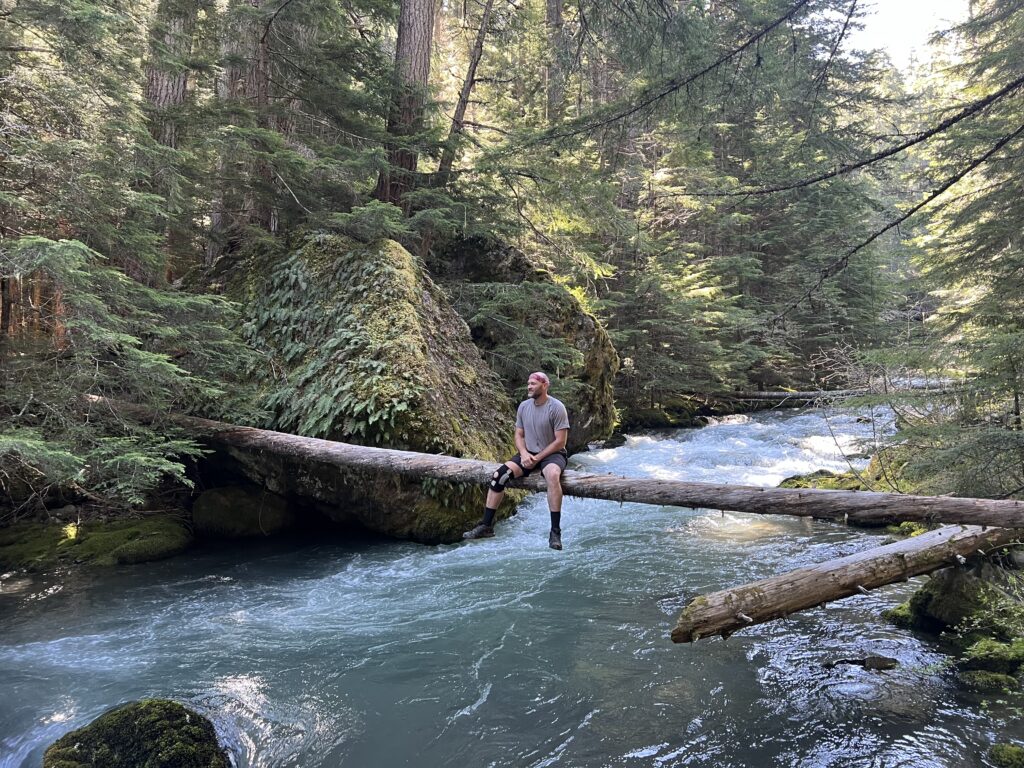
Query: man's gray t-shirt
point(539, 422)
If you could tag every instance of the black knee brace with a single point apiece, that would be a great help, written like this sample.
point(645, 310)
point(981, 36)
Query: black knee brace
point(500, 478)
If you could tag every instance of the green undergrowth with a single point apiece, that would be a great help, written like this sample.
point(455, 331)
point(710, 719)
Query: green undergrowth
point(34, 547)
point(152, 733)
point(104, 334)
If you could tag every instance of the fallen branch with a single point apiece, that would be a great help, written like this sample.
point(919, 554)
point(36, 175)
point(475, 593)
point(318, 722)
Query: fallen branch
point(722, 613)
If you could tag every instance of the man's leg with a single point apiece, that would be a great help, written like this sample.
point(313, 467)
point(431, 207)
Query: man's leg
point(485, 528)
point(553, 478)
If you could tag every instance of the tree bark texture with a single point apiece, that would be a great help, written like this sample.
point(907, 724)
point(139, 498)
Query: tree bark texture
point(857, 506)
point(722, 613)
point(458, 124)
point(5, 307)
point(167, 71)
point(243, 83)
point(405, 118)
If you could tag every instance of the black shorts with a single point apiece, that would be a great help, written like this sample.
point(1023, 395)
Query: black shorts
point(559, 458)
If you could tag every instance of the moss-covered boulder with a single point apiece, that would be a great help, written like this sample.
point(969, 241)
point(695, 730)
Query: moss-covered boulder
point(823, 478)
point(38, 546)
point(524, 321)
point(542, 326)
point(981, 681)
point(237, 511)
point(153, 733)
point(991, 655)
point(1006, 755)
point(363, 347)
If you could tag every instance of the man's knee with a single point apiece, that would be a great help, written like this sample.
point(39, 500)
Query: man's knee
point(502, 476)
point(553, 474)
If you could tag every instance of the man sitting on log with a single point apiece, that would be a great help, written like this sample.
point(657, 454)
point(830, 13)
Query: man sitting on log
point(542, 426)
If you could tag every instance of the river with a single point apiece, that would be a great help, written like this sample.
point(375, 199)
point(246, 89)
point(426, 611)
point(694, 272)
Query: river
point(504, 652)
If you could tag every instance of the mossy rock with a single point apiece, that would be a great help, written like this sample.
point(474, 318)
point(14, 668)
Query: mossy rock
point(41, 546)
point(238, 512)
point(903, 617)
point(989, 682)
point(366, 349)
point(949, 597)
point(1006, 755)
point(153, 733)
point(524, 321)
point(824, 479)
point(991, 655)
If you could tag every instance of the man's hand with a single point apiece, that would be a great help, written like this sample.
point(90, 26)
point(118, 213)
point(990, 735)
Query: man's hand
point(529, 461)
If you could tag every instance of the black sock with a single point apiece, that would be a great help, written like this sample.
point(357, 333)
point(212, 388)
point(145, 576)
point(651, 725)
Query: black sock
point(556, 521)
point(489, 516)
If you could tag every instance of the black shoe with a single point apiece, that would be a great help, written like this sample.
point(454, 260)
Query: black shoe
point(480, 532)
point(555, 539)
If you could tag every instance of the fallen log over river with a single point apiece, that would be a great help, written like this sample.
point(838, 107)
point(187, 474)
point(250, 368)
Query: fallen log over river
point(722, 613)
point(857, 506)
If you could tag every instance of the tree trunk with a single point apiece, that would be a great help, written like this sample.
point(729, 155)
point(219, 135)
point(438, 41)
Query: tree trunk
point(555, 74)
point(259, 202)
point(167, 71)
point(858, 506)
point(166, 89)
point(5, 314)
point(405, 118)
point(721, 613)
point(454, 136)
point(244, 82)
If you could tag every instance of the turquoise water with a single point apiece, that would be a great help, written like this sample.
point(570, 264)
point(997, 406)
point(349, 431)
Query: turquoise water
point(503, 652)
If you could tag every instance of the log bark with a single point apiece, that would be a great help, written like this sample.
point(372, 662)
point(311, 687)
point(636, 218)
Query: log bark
point(858, 506)
point(722, 613)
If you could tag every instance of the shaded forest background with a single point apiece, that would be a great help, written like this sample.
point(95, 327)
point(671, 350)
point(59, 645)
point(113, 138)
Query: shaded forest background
point(737, 196)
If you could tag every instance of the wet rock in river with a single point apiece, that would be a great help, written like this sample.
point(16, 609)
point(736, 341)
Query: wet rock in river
point(152, 733)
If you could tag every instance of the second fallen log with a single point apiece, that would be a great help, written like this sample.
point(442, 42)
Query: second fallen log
point(721, 613)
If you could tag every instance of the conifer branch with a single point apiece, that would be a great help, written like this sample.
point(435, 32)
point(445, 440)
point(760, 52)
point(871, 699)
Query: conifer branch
point(673, 85)
point(971, 109)
point(843, 262)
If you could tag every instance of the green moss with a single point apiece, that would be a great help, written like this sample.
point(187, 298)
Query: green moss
point(1006, 756)
point(32, 546)
point(832, 481)
point(908, 529)
point(35, 546)
point(366, 349)
point(541, 325)
point(992, 655)
point(901, 616)
point(989, 682)
point(152, 733)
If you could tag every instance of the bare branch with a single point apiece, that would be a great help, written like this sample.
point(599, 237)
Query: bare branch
point(841, 263)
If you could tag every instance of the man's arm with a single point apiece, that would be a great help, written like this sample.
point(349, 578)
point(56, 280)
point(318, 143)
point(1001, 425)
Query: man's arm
point(521, 443)
point(556, 445)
